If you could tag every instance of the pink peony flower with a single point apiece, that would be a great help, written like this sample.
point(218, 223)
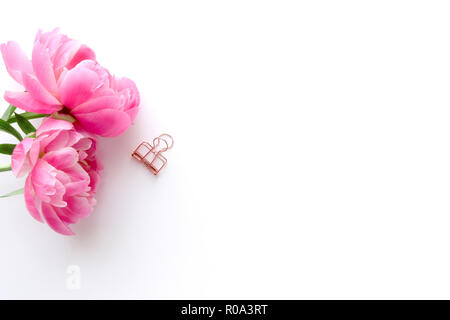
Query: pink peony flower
point(52, 52)
point(64, 77)
point(63, 174)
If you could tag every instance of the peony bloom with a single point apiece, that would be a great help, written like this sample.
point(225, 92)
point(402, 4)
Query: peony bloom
point(63, 173)
point(64, 77)
point(52, 53)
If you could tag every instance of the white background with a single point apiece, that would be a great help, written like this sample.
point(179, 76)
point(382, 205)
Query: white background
point(311, 155)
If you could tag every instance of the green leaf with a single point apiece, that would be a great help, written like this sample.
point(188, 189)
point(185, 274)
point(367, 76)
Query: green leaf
point(5, 126)
point(5, 167)
point(13, 193)
point(8, 113)
point(29, 116)
point(7, 148)
point(24, 124)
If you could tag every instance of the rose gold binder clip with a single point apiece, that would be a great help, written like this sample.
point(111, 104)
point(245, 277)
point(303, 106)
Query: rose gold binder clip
point(151, 155)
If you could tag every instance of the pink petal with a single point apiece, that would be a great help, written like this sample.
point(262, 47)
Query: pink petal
point(64, 53)
point(44, 180)
point(96, 104)
point(61, 75)
point(51, 124)
point(80, 84)
point(56, 200)
point(129, 93)
point(47, 38)
point(77, 187)
point(105, 123)
point(95, 180)
point(22, 160)
point(80, 181)
point(79, 206)
point(47, 138)
point(16, 61)
point(77, 173)
point(43, 67)
point(122, 84)
point(38, 35)
point(20, 163)
point(54, 140)
point(132, 113)
point(38, 92)
point(66, 216)
point(31, 202)
point(54, 221)
point(84, 53)
point(72, 187)
point(35, 152)
point(83, 144)
point(25, 101)
point(63, 138)
point(62, 159)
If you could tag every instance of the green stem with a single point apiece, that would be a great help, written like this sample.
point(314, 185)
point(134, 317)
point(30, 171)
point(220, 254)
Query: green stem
point(5, 167)
point(63, 116)
point(13, 193)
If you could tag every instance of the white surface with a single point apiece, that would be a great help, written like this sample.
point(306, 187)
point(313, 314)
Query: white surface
point(311, 155)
